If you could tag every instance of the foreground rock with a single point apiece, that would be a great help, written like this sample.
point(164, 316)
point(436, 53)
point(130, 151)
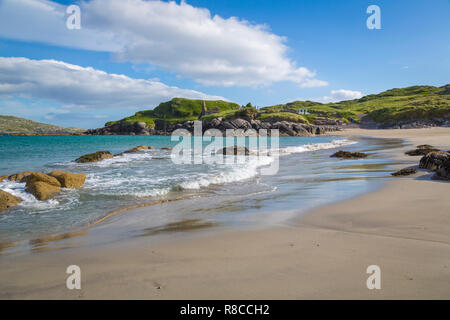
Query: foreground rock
point(20, 175)
point(41, 190)
point(434, 160)
point(3, 177)
point(349, 155)
point(39, 176)
point(235, 150)
point(404, 172)
point(8, 200)
point(94, 157)
point(68, 179)
point(443, 172)
point(421, 150)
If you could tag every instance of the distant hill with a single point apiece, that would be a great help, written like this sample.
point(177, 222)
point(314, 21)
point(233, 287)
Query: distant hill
point(404, 104)
point(10, 124)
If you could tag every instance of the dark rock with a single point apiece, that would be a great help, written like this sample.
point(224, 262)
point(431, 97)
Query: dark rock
point(349, 155)
point(443, 172)
point(94, 157)
point(404, 172)
point(421, 150)
point(234, 150)
point(434, 160)
point(136, 149)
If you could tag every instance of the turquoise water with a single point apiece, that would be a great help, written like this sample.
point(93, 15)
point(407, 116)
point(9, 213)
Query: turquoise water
point(222, 190)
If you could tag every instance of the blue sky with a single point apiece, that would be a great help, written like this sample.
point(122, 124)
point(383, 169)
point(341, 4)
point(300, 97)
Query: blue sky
point(326, 54)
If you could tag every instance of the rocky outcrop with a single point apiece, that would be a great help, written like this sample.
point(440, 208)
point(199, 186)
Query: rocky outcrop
point(235, 150)
point(68, 179)
point(434, 160)
point(349, 155)
point(123, 127)
point(8, 200)
point(421, 150)
point(238, 127)
point(415, 124)
point(41, 190)
point(94, 157)
point(404, 172)
point(3, 177)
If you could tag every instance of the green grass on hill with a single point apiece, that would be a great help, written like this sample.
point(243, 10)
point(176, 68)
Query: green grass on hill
point(10, 124)
point(180, 110)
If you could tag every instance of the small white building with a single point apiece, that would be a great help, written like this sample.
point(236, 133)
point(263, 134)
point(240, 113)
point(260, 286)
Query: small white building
point(303, 111)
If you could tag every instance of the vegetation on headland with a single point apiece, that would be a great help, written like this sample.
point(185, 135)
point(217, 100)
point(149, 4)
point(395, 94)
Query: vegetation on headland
point(410, 103)
point(10, 124)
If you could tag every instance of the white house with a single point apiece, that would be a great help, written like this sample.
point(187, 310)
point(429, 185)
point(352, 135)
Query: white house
point(303, 111)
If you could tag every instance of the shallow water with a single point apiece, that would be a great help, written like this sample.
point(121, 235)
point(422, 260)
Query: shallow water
point(223, 193)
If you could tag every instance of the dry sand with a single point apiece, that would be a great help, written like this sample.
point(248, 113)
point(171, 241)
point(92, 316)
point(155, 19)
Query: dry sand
point(404, 228)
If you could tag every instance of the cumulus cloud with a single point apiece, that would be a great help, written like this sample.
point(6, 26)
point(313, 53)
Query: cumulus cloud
point(177, 37)
point(79, 87)
point(340, 95)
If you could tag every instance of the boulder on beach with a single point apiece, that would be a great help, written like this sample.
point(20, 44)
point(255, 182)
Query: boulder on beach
point(349, 155)
point(8, 200)
point(443, 172)
point(68, 179)
point(136, 149)
point(434, 160)
point(41, 190)
point(3, 177)
point(39, 176)
point(20, 175)
point(404, 172)
point(94, 157)
point(234, 150)
point(421, 150)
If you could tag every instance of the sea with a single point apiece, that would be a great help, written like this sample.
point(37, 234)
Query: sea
point(232, 193)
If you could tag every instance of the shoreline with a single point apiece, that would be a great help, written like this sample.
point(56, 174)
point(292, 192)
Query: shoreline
point(321, 254)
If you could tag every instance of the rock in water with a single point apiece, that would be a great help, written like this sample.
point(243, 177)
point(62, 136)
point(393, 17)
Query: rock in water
point(39, 176)
point(20, 175)
point(136, 149)
point(349, 155)
point(3, 177)
point(68, 179)
point(41, 190)
point(404, 172)
point(166, 148)
point(94, 157)
point(433, 160)
point(8, 200)
point(234, 150)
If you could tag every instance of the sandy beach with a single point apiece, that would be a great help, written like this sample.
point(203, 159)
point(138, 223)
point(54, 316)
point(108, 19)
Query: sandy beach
point(403, 227)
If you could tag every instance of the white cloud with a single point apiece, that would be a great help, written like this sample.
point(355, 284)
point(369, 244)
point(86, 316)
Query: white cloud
point(340, 95)
point(177, 37)
point(79, 87)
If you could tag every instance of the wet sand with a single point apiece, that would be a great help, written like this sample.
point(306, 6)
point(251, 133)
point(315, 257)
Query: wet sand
point(404, 228)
